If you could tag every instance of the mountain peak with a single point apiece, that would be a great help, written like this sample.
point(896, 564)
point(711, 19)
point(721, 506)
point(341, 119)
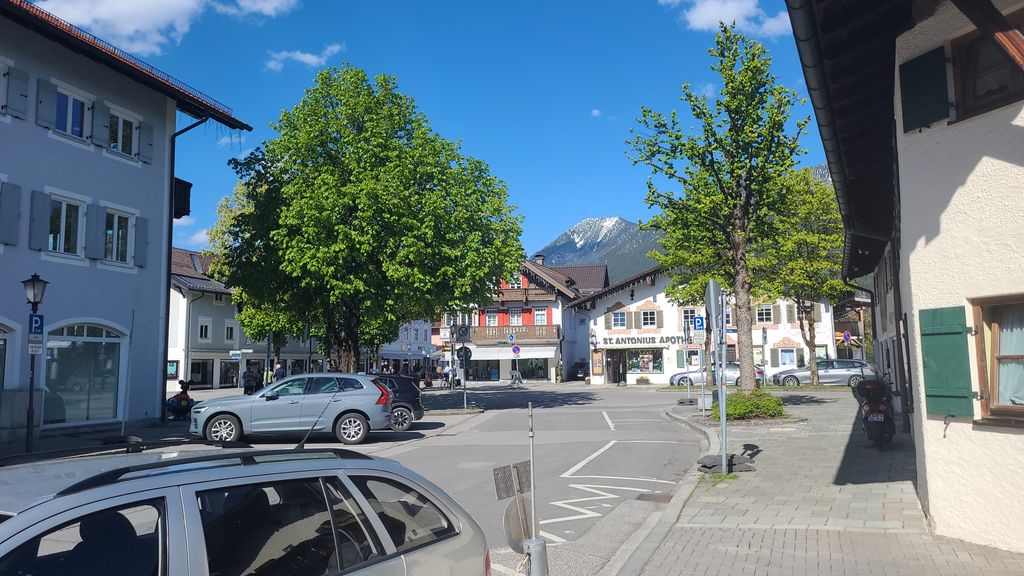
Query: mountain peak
point(611, 240)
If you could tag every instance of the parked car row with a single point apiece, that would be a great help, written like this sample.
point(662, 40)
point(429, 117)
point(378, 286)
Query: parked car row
point(696, 375)
point(348, 405)
point(830, 373)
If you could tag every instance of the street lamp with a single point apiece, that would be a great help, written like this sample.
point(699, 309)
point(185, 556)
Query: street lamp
point(593, 348)
point(35, 287)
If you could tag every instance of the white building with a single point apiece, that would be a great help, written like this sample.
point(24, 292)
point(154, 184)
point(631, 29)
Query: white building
point(637, 334)
point(920, 105)
point(412, 350)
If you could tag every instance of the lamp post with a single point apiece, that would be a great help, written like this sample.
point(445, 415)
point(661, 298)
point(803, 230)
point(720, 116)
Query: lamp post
point(593, 348)
point(35, 287)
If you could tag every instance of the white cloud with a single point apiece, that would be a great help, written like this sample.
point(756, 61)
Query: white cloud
point(230, 139)
point(184, 222)
point(747, 14)
point(595, 113)
point(146, 27)
point(200, 238)
point(278, 59)
point(708, 90)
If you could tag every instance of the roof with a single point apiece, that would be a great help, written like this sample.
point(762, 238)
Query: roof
point(647, 276)
point(188, 99)
point(589, 278)
point(560, 281)
point(848, 53)
point(185, 275)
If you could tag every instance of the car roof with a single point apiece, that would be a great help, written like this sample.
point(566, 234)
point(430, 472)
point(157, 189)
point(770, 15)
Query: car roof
point(23, 486)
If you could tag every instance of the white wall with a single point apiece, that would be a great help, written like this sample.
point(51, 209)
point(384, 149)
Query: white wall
point(962, 223)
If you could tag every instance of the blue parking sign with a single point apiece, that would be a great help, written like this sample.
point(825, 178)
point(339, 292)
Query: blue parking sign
point(35, 323)
point(698, 323)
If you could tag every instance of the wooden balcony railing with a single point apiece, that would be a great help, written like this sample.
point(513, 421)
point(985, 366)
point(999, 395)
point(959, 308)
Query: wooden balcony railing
point(524, 295)
point(524, 334)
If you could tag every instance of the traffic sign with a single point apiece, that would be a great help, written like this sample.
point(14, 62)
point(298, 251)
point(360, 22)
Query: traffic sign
point(235, 354)
point(516, 350)
point(698, 323)
point(464, 353)
point(712, 303)
point(462, 333)
point(34, 348)
point(847, 337)
point(35, 323)
point(511, 338)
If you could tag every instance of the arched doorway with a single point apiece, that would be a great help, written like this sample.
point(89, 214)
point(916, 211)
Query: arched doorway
point(83, 374)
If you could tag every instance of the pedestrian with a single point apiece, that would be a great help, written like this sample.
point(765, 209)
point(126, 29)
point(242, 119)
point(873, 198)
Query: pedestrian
point(180, 404)
point(248, 381)
point(428, 381)
point(279, 372)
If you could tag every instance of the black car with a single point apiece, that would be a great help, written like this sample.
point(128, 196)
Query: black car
point(406, 405)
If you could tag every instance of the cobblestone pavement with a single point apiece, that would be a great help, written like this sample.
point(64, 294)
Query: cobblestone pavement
point(822, 501)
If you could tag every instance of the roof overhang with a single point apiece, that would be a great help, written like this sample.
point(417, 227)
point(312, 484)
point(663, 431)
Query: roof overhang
point(646, 277)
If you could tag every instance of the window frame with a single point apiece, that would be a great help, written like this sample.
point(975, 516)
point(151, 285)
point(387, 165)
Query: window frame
point(983, 319)
point(82, 205)
point(618, 315)
point(88, 103)
point(207, 322)
point(491, 317)
point(644, 319)
point(538, 313)
point(129, 247)
point(233, 324)
point(795, 359)
point(964, 73)
point(136, 122)
point(515, 316)
point(688, 314)
point(758, 319)
point(218, 299)
point(517, 284)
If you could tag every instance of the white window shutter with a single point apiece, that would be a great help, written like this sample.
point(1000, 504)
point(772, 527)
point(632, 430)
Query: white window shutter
point(46, 104)
point(101, 125)
point(17, 93)
point(39, 221)
point(141, 241)
point(95, 224)
point(10, 213)
point(146, 143)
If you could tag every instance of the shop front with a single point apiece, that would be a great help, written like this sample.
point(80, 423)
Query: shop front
point(635, 365)
point(493, 363)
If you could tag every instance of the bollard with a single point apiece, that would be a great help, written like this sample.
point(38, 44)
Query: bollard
point(537, 550)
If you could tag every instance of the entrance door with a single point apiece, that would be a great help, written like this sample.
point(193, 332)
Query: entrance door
point(616, 366)
point(201, 374)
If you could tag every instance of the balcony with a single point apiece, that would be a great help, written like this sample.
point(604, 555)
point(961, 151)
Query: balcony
point(524, 334)
point(524, 295)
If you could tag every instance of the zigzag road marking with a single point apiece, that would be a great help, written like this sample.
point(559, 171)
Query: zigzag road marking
point(583, 513)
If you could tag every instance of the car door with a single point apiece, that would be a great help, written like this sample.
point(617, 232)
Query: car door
point(826, 372)
point(279, 408)
point(287, 523)
point(321, 392)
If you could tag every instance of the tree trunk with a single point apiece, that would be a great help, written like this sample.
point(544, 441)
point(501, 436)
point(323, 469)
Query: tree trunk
point(807, 333)
point(744, 316)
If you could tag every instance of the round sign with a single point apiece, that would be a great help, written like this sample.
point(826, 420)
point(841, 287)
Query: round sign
point(464, 353)
point(847, 337)
point(516, 350)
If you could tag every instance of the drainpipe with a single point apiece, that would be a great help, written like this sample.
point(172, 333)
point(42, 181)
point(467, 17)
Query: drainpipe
point(168, 241)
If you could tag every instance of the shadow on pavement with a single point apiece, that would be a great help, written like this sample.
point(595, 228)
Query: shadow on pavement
point(802, 399)
point(508, 399)
point(426, 424)
point(862, 463)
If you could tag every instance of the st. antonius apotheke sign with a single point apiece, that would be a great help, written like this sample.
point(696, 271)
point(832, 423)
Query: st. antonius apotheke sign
point(643, 340)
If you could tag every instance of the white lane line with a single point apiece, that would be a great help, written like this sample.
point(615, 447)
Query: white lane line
point(608, 420)
point(627, 478)
point(568, 473)
point(583, 513)
point(555, 540)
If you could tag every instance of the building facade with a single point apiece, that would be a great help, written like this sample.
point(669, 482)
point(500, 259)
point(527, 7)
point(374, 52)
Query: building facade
point(930, 189)
point(638, 336)
point(206, 344)
point(412, 352)
point(85, 197)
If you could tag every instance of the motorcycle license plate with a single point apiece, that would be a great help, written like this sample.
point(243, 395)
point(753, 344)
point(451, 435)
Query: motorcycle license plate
point(876, 417)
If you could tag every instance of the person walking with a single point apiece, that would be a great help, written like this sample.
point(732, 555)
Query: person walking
point(279, 372)
point(248, 381)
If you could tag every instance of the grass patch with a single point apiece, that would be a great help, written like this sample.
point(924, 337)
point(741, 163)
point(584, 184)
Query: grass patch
point(716, 478)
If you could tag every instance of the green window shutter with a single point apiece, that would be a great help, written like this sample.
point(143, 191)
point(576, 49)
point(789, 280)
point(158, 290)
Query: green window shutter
point(629, 319)
point(659, 319)
point(680, 358)
point(775, 357)
point(608, 321)
point(776, 314)
point(923, 92)
point(948, 389)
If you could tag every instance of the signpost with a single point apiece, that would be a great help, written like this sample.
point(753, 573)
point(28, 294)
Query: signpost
point(511, 338)
point(516, 349)
point(35, 334)
point(847, 337)
point(715, 303)
point(698, 323)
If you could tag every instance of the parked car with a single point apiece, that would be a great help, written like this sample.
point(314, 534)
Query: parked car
point(830, 373)
point(349, 405)
point(695, 375)
point(579, 371)
point(406, 401)
point(177, 510)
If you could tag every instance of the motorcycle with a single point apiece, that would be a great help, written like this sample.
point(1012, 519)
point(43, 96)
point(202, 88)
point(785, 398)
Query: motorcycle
point(876, 411)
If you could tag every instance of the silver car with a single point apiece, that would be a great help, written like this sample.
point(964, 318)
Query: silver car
point(349, 405)
point(830, 373)
point(174, 510)
point(695, 375)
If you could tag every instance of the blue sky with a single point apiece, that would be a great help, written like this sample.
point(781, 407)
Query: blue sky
point(543, 91)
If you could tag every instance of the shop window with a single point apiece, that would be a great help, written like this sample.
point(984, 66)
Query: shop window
point(787, 356)
point(645, 361)
point(83, 374)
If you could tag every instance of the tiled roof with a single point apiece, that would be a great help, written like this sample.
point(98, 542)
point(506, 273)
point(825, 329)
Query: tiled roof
point(647, 276)
point(188, 99)
point(199, 284)
point(589, 278)
point(558, 280)
point(185, 275)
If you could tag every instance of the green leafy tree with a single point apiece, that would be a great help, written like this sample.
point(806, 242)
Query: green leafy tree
point(359, 217)
point(718, 188)
point(804, 263)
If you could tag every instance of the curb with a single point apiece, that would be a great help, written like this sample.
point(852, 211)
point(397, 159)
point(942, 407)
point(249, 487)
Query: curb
point(453, 412)
point(631, 558)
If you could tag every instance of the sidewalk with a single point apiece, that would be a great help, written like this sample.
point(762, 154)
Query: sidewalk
point(820, 502)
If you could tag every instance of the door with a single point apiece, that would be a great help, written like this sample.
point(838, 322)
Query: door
point(827, 373)
point(321, 392)
point(280, 414)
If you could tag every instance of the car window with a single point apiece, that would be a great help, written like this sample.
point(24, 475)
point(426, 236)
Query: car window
point(293, 387)
point(350, 384)
point(824, 365)
point(845, 364)
point(409, 518)
point(357, 540)
point(270, 529)
point(322, 385)
point(133, 535)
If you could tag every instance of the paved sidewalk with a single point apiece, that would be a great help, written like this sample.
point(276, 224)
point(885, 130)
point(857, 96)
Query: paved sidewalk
point(822, 501)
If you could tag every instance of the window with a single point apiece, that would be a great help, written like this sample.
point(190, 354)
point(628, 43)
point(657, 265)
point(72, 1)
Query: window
point(410, 519)
point(645, 361)
point(65, 226)
point(294, 387)
point(323, 385)
point(764, 314)
point(540, 316)
point(1006, 357)
point(204, 328)
point(350, 384)
point(515, 282)
point(688, 315)
point(787, 356)
point(287, 528)
point(83, 374)
point(618, 319)
point(649, 319)
point(230, 331)
point(136, 532)
point(218, 299)
point(72, 113)
point(357, 540)
point(115, 237)
point(122, 134)
point(728, 315)
point(515, 316)
point(984, 77)
point(492, 316)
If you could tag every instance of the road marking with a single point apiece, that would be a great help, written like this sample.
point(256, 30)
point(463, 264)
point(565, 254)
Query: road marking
point(555, 540)
point(568, 473)
point(503, 570)
point(608, 420)
point(583, 513)
point(627, 478)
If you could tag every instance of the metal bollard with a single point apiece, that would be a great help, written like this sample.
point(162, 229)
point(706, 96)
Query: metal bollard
point(537, 550)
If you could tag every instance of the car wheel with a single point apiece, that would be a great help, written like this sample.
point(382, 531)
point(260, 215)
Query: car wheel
point(351, 429)
point(685, 381)
point(401, 419)
point(854, 380)
point(791, 381)
point(223, 428)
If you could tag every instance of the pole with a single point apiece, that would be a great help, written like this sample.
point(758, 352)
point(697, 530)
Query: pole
point(266, 367)
point(30, 414)
point(721, 387)
point(535, 547)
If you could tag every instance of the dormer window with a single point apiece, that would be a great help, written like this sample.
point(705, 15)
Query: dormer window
point(516, 282)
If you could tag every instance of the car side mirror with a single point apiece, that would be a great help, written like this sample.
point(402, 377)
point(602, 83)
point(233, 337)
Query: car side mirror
point(270, 396)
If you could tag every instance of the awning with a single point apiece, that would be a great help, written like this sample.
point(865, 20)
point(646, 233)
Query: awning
point(403, 354)
point(505, 352)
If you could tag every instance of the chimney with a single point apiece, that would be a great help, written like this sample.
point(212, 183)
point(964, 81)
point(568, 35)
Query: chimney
point(538, 258)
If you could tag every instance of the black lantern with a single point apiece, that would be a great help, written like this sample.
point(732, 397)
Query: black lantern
point(35, 287)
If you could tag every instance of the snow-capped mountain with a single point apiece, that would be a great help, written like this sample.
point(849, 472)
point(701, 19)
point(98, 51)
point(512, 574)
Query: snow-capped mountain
point(613, 241)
